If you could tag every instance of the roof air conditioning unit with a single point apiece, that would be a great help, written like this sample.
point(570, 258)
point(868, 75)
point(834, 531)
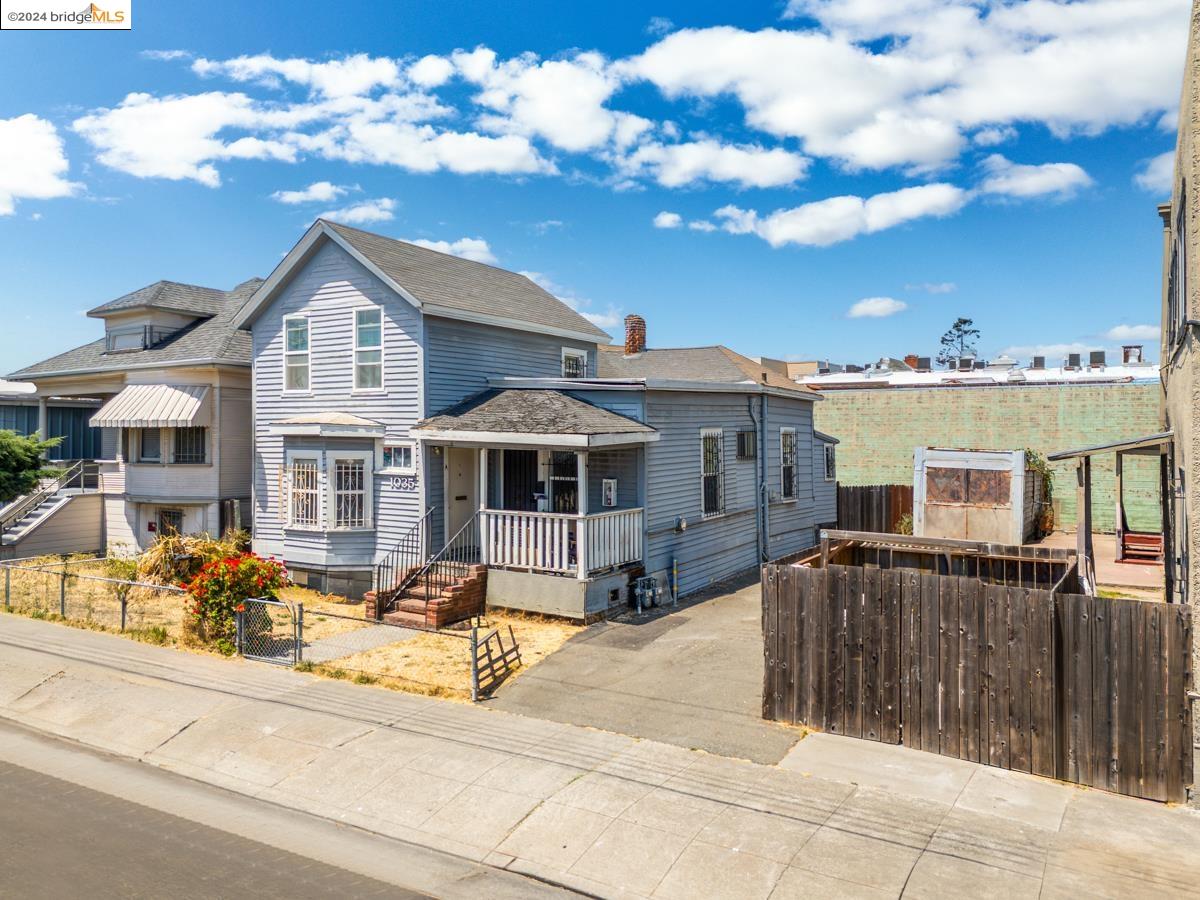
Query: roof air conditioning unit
point(1039, 362)
point(966, 363)
point(924, 364)
point(1096, 359)
point(1073, 360)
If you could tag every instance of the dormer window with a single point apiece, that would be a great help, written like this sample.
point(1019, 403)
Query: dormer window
point(135, 337)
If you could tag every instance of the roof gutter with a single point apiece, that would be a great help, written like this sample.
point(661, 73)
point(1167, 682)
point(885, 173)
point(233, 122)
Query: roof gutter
point(165, 364)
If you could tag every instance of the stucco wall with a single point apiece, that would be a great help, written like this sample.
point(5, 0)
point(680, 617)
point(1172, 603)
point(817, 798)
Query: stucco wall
point(879, 430)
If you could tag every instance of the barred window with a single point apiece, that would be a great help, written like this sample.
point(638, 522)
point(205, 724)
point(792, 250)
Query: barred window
point(368, 349)
point(190, 445)
point(787, 463)
point(830, 462)
point(295, 355)
point(574, 363)
point(349, 493)
point(304, 504)
point(564, 481)
point(712, 478)
point(747, 444)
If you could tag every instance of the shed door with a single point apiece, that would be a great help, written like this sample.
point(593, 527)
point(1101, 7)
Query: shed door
point(968, 504)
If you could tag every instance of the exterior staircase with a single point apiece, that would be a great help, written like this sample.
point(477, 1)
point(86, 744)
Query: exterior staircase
point(25, 514)
point(423, 590)
point(31, 518)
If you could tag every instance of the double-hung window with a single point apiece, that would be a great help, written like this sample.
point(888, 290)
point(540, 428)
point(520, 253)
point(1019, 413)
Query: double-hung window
point(350, 493)
point(304, 492)
point(574, 363)
point(830, 462)
point(150, 445)
point(787, 463)
point(295, 354)
point(368, 349)
point(712, 469)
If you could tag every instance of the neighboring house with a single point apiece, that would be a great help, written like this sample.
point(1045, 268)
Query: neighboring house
point(21, 410)
point(411, 402)
point(882, 413)
point(175, 431)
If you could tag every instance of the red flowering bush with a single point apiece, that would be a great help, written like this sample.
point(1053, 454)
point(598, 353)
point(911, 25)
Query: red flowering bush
point(221, 585)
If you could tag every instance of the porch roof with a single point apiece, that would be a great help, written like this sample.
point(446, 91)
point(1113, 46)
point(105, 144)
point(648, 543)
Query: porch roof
point(1156, 443)
point(535, 417)
point(156, 406)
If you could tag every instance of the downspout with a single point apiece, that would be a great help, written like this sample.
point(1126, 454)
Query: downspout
point(763, 495)
point(758, 518)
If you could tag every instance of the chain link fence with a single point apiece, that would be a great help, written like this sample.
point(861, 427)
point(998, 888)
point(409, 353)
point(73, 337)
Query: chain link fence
point(79, 591)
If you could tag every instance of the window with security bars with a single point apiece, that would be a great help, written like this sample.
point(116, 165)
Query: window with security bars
point(574, 364)
point(368, 349)
point(712, 479)
point(747, 444)
point(564, 482)
point(190, 446)
point(349, 493)
point(787, 463)
point(830, 462)
point(304, 504)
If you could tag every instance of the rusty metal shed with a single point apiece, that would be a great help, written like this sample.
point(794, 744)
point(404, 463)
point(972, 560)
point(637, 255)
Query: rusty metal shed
point(975, 495)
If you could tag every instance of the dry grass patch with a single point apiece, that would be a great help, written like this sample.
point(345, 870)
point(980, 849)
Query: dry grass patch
point(325, 615)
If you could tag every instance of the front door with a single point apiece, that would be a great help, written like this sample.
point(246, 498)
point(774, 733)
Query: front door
point(462, 488)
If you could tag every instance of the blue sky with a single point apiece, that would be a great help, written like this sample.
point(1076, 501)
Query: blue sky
point(819, 178)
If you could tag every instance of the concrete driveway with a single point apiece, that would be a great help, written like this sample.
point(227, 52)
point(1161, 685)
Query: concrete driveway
point(690, 676)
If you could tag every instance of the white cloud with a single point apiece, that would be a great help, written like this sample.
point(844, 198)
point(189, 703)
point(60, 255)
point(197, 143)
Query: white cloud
point(431, 71)
point(1157, 175)
point(1133, 333)
point(610, 318)
point(876, 308)
point(380, 210)
point(933, 287)
point(668, 220)
point(676, 165)
point(167, 55)
point(702, 225)
point(990, 137)
point(1010, 179)
point(837, 219)
point(318, 191)
point(33, 162)
point(547, 225)
point(659, 25)
point(349, 76)
point(476, 249)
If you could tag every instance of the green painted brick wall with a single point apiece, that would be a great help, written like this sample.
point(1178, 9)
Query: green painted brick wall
point(879, 429)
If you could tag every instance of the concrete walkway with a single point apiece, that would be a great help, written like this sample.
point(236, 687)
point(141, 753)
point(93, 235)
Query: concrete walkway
point(594, 811)
point(691, 677)
point(360, 640)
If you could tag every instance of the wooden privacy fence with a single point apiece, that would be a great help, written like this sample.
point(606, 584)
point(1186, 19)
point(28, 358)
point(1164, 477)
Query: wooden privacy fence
point(873, 507)
point(1084, 689)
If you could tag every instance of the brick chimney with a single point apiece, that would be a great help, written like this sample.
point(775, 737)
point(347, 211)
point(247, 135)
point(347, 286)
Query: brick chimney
point(635, 335)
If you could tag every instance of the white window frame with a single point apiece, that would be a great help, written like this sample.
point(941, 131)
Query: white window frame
point(830, 455)
point(783, 485)
point(162, 447)
point(374, 389)
point(306, 353)
point(573, 353)
point(410, 469)
point(314, 457)
point(719, 434)
point(332, 458)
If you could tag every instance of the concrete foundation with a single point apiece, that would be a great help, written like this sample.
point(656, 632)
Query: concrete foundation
point(352, 583)
point(558, 595)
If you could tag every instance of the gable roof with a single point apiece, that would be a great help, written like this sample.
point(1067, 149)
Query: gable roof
point(441, 284)
point(515, 411)
point(166, 295)
point(717, 364)
point(208, 341)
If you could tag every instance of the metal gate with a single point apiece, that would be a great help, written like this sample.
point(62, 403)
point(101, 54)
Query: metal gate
point(271, 631)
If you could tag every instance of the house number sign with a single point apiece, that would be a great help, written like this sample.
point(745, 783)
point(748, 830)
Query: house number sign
point(402, 483)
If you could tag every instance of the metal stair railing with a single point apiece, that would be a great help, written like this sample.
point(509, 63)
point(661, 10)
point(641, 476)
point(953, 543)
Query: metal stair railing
point(450, 564)
point(34, 499)
point(398, 569)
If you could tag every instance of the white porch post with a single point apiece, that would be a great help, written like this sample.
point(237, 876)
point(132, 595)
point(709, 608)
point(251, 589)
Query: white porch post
point(581, 491)
point(483, 488)
point(43, 423)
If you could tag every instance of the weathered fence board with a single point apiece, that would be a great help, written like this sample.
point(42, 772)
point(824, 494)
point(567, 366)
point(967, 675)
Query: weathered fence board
point(1085, 689)
point(873, 507)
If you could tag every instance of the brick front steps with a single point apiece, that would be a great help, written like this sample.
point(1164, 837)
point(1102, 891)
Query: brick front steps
point(461, 600)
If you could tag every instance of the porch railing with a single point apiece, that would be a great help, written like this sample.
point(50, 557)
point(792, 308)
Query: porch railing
point(402, 563)
point(563, 543)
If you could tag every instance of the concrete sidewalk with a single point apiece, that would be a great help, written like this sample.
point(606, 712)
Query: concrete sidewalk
point(597, 812)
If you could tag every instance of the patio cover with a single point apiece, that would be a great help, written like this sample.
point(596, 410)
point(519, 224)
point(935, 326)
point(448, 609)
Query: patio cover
point(535, 418)
point(156, 406)
point(1158, 441)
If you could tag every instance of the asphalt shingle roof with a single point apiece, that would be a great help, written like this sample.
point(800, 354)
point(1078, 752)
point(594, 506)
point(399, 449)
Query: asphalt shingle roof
point(170, 295)
point(212, 338)
point(441, 279)
point(531, 412)
point(716, 364)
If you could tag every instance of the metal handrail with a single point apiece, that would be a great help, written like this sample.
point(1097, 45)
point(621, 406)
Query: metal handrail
point(21, 508)
point(403, 561)
point(445, 566)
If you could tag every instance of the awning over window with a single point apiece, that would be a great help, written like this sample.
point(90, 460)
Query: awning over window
point(156, 406)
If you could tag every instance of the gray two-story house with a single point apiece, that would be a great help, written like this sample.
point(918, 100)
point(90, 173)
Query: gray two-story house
point(419, 416)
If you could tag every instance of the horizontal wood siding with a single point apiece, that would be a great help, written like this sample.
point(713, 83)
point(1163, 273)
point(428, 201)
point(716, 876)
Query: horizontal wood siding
point(75, 527)
point(715, 548)
point(624, 403)
point(236, 437)
point(825, 493)
point(791, 522)
point(622, 464)
point(327, 290)
point(462, 356)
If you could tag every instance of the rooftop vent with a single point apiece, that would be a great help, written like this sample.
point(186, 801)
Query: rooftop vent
point(1096, 359)
point(966, 363)
point(1073, 360)
point(1131, 354)
point(854, 369)
point(1039, 362)
point(924, 364)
